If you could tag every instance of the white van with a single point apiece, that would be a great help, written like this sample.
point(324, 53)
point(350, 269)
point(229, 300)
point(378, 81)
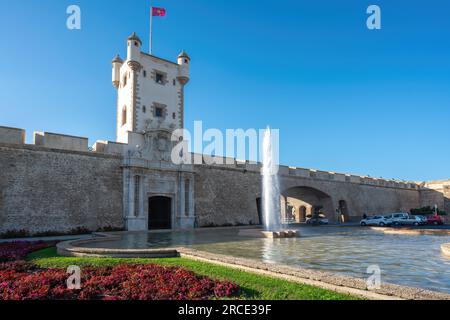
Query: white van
point(397, 218)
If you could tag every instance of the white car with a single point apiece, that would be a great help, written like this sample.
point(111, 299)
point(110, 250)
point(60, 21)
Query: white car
point(405, 220)
point(375, 221)
point(397, 219)
point(319, 220)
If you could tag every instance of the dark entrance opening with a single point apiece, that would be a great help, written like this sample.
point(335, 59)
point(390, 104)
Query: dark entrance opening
point(159, 213)
point(302, 217)
point(343, 211)
point(259, 208)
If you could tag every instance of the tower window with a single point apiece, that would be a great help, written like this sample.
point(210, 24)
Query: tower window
point(159, 110)
point(174, 115)
point(159, 78)
point(145, 74)
point(174, 82)
point(144, 109)
point(124, 115)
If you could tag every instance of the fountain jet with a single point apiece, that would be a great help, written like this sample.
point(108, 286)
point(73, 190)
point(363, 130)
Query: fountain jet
point(270, 185)
point(271, 198)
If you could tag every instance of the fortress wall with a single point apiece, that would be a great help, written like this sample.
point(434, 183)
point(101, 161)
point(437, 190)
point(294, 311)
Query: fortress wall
point(436, 192)
point(12, 135)
point(227, 195)
point(55, 190)
point(447, 199)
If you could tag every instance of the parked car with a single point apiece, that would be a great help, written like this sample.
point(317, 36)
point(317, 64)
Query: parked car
point(319, 220)
point(435, 220)
point(412, 220)
point(396, 218)
point(375, 221)
point(423, 220)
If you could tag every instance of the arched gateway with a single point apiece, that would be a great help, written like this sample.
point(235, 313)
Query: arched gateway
point(306, 201)
point(159, 213)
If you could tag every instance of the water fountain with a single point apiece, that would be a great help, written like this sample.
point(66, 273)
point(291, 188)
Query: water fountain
point(270, 195)
point(270, 186)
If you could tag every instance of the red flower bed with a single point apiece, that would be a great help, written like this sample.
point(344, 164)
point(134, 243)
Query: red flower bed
point(22, 281)
point(12, 251)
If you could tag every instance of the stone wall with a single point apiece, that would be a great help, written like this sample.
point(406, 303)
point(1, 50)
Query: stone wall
point(45, 188)
point(227, 195)
point(436, 192)
point(55, 190)
point(447, 199)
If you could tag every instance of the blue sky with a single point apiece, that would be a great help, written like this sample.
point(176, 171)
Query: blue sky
point(344, 98)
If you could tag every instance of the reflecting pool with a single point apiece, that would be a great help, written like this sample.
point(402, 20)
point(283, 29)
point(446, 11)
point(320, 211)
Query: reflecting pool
point(411, 260)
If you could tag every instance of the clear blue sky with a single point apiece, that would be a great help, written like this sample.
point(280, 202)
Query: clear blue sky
point(344, 98)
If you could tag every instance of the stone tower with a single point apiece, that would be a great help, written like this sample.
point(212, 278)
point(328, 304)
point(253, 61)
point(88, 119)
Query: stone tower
point(150, 91)
point(157, 193)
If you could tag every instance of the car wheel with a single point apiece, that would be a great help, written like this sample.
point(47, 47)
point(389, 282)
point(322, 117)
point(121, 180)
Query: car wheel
point(435, 223)
point(363, 224)
point(382, 224)
point(416, 224)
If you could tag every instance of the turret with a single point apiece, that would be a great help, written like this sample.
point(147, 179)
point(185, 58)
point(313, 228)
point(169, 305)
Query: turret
point(183, 61)
point(116, 65)
point(134, 51)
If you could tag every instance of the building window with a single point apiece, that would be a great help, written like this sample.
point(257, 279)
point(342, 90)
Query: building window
point(174, 115)
point(186, 197)
point(159, 78)
point(159, 110)
point(124, 115)
point(144, 109)
point(137, 184)
point(145, 74)
point(124, 80)
point(174, 82)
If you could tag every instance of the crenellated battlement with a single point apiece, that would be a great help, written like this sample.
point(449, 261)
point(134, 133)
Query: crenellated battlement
point(230, 163)
point(80, 144)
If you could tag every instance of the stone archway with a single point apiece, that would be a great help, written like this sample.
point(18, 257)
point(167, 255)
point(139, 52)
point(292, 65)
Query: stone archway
point(159, 213)
point(307, 199)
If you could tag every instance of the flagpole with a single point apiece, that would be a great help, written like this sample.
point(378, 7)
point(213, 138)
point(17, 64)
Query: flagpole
point(151, 29)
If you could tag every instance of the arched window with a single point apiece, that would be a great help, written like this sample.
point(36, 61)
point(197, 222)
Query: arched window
point(124, 115)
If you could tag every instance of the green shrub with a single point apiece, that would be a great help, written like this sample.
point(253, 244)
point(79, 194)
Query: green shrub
point(425, 211)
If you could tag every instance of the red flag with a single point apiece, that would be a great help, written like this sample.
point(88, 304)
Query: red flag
point(158, 12)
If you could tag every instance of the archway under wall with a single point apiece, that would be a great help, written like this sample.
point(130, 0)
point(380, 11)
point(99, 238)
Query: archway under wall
point(305, 201)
